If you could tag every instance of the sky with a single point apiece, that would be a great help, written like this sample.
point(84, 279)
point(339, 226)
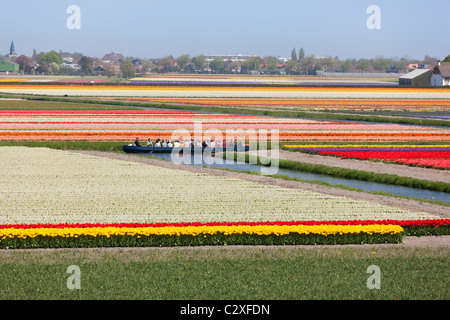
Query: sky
point(158, 28)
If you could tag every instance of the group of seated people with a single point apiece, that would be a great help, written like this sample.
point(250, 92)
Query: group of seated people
point(212, 143)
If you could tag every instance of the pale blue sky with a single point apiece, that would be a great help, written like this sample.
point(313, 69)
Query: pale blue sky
point(156, 28)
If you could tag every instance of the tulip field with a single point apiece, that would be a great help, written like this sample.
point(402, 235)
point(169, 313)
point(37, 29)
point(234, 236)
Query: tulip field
point(125, 125)
point(55, 198)
point(85, 200)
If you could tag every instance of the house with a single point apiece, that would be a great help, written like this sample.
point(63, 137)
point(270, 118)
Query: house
point(441, 75)
point(113, 58)
point(67, 60)
point(190, 68)
point(413, 66)
point(8, 67)
point(99, 68)
point(72, 66)
point(416, 78)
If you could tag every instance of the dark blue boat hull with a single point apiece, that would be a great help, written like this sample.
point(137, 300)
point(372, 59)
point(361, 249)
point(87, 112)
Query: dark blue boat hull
point(134, 149)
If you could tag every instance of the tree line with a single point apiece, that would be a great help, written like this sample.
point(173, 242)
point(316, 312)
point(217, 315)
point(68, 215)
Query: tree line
point(299, 63)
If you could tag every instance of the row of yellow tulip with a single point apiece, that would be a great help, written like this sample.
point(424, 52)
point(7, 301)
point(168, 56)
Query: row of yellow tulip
point(205, 230)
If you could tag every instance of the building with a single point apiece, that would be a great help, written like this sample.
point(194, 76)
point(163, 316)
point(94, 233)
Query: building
point(72, 66)
point(237, 57)
point(8, 67)
point(441, 75)
point(416, 78)
point(113, 58)
point(12, 50)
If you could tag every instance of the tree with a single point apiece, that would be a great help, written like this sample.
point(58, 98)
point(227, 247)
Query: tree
point(52, 67)
point(381, 64)
point(308, 64)
point(86, 64)
point(110, 71)
point(291, 65)
point(294, 55)
point(326, 63)
point(346, 65)
point(301, 54)
point(127, 69)
point(51, 56)
point(271, 63)
point(252, 63)
point(446, 59)
point(183, 61)
point(167, 63)
point(147, 65)
point(23, 62)
point(402, 65)
point(217, 65)
point(363, 64)
point(430, 60)
point(199, 62)
point(233, 66)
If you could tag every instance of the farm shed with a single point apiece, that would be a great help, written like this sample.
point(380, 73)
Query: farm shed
point(8, 67)
point(416, 78)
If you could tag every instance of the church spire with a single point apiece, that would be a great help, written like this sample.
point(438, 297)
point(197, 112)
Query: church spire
point(12, 50)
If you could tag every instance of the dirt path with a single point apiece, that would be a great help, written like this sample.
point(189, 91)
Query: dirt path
point(404, 204)
point(376, 167)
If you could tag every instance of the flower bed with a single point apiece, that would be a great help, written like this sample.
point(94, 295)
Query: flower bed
point(198, 235)
point(125, 125)
point(433, 156)
point(219, 233)
point(410, 105)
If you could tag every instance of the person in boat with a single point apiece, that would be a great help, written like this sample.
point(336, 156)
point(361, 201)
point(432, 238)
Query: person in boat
point(149, 143)
point(170, 144)
point(176, 144)
point(164, 144)
point(198, 144)
point(158, 143)
point(136, 142)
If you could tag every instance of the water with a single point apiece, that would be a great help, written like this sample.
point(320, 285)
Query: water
point(364, 185)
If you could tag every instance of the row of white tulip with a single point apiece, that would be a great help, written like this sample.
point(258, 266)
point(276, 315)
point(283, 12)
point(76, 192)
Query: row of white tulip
point(40, 185)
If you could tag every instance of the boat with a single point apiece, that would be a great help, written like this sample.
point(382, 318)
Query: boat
point(141, 149)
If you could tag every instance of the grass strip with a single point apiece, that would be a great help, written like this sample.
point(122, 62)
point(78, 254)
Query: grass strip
point(56, 105)
point(226, 273)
